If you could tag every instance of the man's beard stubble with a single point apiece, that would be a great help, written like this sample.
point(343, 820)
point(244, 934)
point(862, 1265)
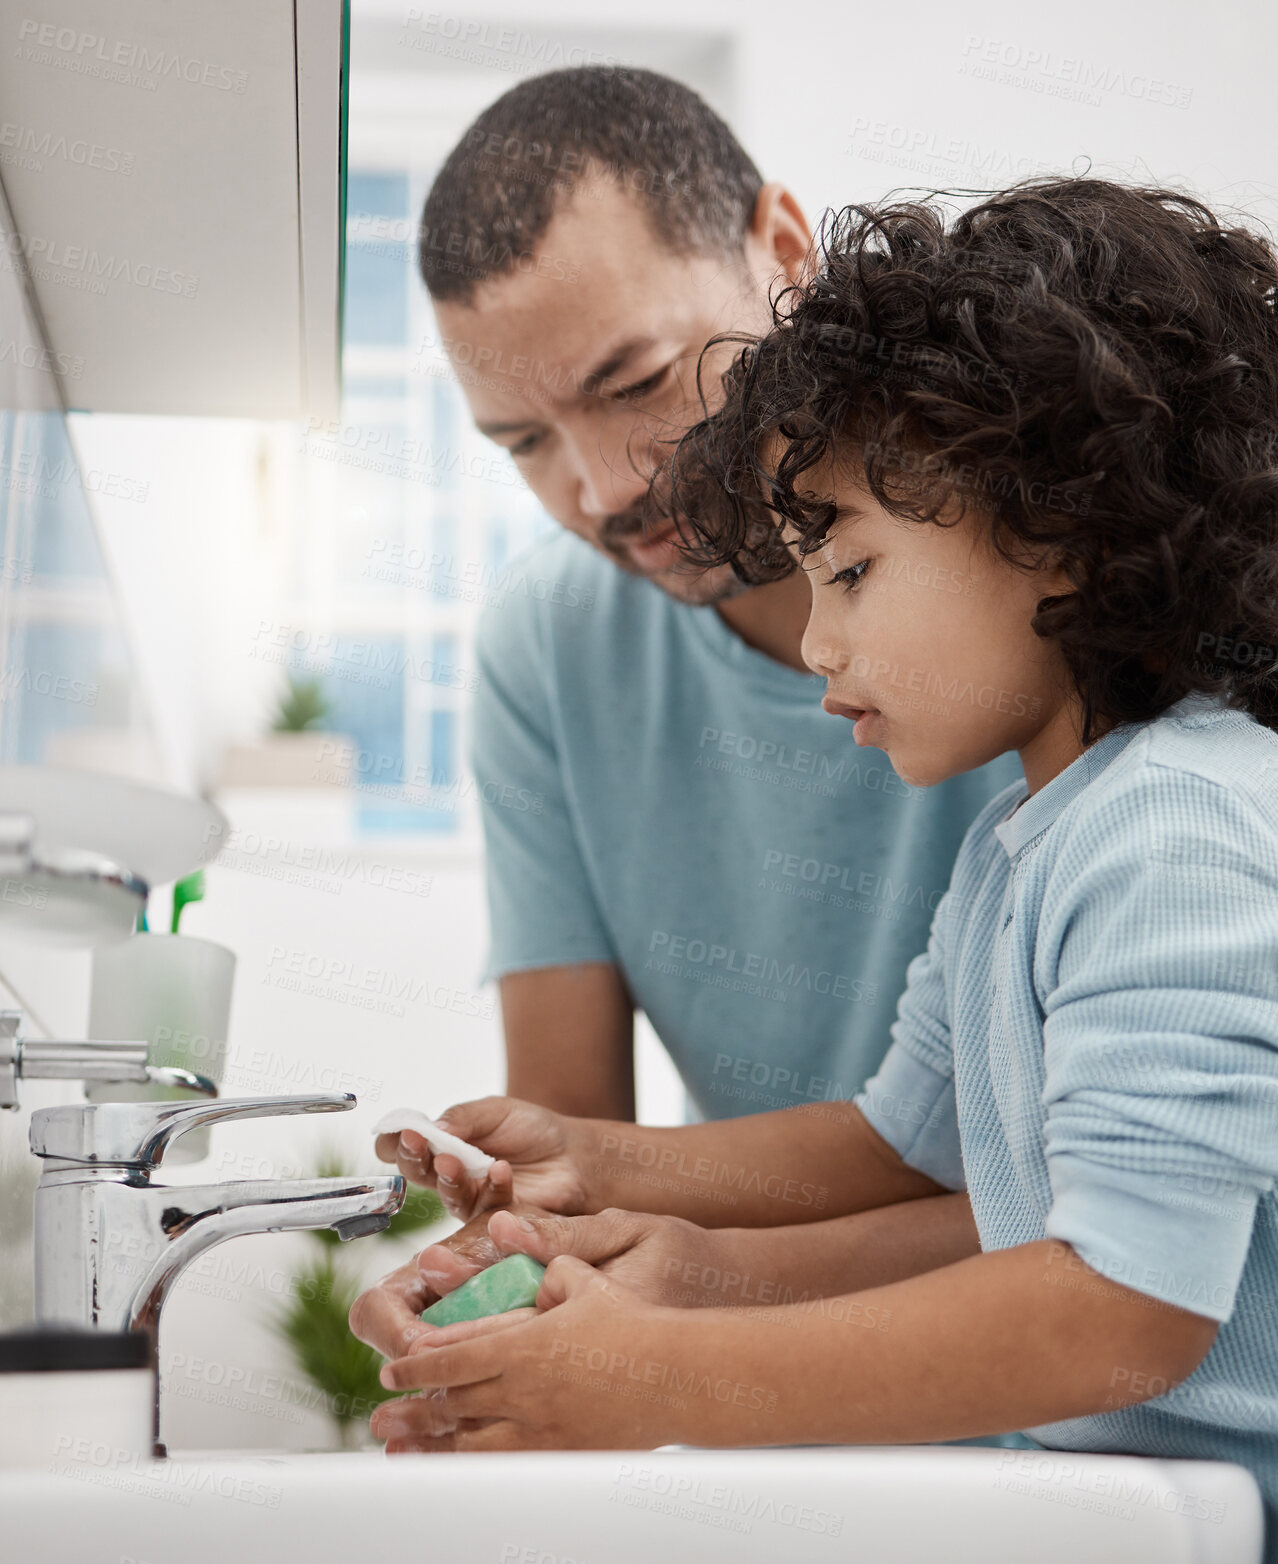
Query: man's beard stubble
point(686, 581)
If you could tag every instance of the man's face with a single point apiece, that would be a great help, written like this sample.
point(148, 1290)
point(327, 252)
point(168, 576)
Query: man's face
point(587, 382)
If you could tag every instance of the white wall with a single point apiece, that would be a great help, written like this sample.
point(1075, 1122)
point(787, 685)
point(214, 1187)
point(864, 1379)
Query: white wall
point(835, 101)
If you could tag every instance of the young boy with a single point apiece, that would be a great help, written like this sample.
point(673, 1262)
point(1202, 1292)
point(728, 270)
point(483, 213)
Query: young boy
point(1066, 400)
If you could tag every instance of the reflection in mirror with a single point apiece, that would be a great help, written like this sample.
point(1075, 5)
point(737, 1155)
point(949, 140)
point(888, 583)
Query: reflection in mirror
point(69, 693)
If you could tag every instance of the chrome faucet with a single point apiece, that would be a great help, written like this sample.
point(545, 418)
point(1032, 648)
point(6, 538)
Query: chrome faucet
point(109, 1243)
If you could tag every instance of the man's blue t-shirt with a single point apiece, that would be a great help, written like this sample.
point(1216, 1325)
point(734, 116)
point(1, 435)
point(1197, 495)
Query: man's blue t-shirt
point(659, 795)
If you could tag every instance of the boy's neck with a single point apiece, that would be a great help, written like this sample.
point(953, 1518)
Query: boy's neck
point(1057, 744)
point(772, 618)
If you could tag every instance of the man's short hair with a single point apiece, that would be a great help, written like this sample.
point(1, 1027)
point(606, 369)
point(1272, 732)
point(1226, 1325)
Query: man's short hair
point(656, 139)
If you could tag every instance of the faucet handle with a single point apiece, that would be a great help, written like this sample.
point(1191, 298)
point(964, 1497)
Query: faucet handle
point(137, 1134)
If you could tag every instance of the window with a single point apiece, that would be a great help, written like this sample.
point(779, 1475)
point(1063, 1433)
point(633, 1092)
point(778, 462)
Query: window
point(405, 521)
point(396, 544)
point(69, 694)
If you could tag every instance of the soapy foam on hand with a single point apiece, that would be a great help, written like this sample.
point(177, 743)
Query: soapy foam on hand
point(475, 1162)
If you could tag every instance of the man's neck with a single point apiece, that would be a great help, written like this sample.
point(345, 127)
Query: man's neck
point(772, 618)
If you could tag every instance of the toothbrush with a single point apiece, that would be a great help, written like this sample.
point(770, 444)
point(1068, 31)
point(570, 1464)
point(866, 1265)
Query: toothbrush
point(187, 890)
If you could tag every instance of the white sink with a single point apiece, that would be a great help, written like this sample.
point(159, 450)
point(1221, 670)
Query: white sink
point(918, 1505)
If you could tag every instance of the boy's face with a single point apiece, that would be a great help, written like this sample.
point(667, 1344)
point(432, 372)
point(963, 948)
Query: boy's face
point(585, 380)
point(927, 632)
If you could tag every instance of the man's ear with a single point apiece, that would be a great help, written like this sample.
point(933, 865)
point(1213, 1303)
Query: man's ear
point(778, 238)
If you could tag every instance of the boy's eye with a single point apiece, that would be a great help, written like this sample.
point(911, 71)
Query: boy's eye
point(525, 446)
point(851, 577)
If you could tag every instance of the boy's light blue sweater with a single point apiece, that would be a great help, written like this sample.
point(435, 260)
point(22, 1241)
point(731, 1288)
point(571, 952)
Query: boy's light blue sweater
point(1089, 1046)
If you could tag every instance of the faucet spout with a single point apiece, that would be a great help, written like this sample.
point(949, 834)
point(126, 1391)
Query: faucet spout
point(142, 1236)
point(195, 1217)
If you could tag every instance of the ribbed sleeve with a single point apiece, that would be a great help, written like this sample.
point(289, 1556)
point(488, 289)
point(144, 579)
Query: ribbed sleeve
point(910, 1101)
point(1157, 950)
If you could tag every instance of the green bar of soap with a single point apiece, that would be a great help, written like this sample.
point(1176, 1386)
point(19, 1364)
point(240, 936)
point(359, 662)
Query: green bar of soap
point(510, 1284)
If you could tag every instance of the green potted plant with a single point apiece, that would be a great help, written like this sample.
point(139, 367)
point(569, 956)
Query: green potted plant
point(299, 750)
point(301, 707)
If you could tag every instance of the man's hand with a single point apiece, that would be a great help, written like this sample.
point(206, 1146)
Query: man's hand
point(537, 1150)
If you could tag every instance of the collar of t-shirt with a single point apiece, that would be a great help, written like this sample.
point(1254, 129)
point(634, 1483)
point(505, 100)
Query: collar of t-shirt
point(1036, 811)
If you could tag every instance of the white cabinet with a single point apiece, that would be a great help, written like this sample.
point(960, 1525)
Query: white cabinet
point(175, 172)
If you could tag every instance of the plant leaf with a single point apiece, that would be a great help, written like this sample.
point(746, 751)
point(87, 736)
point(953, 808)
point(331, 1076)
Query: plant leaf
point(313, 1322)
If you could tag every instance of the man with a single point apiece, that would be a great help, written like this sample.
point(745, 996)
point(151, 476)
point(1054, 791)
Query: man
point(586, 238)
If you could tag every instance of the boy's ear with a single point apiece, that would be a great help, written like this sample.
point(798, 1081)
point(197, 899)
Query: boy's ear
point(778, 238)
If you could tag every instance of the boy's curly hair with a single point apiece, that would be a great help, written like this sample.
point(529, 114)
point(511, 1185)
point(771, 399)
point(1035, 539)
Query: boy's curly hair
point(1092, 366)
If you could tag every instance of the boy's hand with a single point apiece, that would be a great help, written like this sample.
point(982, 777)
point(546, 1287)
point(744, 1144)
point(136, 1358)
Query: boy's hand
point(662, 1259)
point(530, 1385)
point(537, 1150)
